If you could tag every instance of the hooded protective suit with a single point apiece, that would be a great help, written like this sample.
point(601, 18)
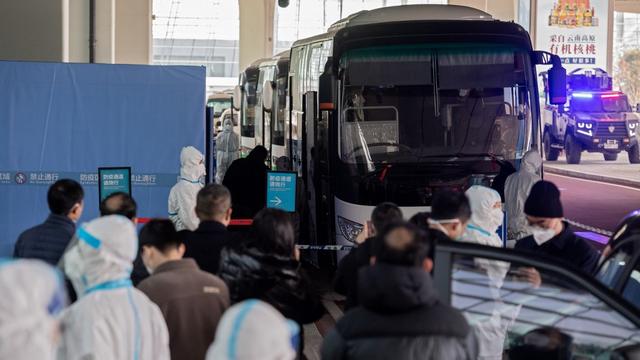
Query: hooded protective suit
point(182, 198)
point(32, 294)
point(111, 319)
point(485, 218)
point(252, 330)
point(485, 221)
point(227, 149)
point(516, 191)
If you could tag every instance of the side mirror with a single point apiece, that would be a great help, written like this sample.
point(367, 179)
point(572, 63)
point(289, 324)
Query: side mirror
point(237, 97)
point(327, 86)
point(556, 76)
point(267, 95)
point(557, 85)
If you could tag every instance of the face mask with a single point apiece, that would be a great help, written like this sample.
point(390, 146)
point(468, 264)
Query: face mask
point(542, 235)
point(496, 217)
point(438, 225)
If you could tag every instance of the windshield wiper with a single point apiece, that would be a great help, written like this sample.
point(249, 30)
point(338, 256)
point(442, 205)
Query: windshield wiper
point(463, 155)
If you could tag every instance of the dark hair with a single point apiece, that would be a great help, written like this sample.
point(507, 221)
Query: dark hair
point(213, 201)
point(421, 220)
point(161, 234)
point(259, 153)
point(450, 205)
point(119, 203)
point(402, 244)
point(384, 214)
point(272, 232)
point(63, 195)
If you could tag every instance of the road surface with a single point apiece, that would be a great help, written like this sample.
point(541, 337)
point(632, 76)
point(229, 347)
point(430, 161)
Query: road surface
point(595, 203)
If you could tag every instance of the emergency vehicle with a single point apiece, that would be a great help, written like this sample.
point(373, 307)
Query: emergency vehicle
point(595, 119)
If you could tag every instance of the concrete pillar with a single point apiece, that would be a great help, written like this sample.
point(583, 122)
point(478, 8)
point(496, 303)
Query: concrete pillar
point(505, 10)
point(105, 27)
point(31, 30)
point(256, 30)
point(133, 32)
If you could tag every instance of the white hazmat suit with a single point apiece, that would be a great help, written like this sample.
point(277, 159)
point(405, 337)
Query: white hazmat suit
point(227, 149)
point(516, 190)
point(253, 330)
point(111, 319)
point(32, 294)
point(182, 198)
point(485, 217)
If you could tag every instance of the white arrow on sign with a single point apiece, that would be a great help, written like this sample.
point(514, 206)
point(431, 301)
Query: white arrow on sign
point(276, 201)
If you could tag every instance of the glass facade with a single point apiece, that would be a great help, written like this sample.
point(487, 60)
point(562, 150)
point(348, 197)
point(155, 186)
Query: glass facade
point(198, 32)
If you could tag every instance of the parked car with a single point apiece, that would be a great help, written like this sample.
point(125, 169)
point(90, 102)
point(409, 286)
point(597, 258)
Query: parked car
point(506, 294)
point(620, 270)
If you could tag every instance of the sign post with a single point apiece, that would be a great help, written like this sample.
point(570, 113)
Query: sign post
point(281, 190)
point(112, 180)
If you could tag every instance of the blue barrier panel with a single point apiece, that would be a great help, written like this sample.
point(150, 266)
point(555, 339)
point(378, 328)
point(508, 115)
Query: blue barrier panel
point(67, 120)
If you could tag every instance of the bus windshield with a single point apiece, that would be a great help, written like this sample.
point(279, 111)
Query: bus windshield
point(409, 104)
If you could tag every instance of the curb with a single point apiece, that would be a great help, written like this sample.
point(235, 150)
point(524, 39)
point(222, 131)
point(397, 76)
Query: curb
point(587, 176)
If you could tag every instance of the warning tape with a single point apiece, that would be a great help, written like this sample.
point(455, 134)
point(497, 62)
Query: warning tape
point(589, 228)
point(234, 222)
point(326, 247)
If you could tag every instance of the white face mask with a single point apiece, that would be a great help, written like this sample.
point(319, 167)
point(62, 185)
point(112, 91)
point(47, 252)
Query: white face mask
point(438, 224)
point(496, 217)
point(542, 235)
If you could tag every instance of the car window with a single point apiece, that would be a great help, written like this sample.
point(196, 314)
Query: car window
point(503, 301)
point(613, 267)
point(631, 290)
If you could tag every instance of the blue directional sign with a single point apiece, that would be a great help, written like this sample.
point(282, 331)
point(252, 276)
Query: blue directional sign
point(112, 180)
point(281, 190)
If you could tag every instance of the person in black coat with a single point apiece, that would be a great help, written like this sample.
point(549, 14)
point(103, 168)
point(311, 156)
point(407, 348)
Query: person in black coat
point(205, 244)
point(246, 179)
point(346, 278)
point(48, 241)
point(551, 235)
point(400, 316)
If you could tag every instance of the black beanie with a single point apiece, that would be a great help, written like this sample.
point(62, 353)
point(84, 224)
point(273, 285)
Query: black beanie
point(544, 201)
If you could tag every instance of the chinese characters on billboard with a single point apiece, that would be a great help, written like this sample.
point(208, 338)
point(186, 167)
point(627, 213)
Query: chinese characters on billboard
point(575, 30)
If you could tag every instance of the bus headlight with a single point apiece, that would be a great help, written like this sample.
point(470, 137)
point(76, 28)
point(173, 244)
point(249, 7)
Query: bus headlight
point(349, 229)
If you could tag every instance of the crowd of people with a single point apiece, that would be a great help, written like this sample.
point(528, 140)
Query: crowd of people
point(186, 288)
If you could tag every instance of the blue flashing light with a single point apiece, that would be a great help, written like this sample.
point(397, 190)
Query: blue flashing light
point(583, 95)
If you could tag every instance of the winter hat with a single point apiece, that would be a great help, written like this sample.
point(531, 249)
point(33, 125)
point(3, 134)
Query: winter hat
point(544, 201)
point(254, 330)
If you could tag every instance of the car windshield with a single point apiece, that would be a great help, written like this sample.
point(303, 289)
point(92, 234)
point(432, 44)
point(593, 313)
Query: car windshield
point(410, 103)
point(598, 104)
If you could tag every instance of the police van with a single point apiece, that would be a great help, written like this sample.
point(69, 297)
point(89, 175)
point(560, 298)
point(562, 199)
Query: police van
point(595, 119)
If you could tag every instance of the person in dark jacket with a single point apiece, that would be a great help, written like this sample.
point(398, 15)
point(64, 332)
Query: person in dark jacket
point(120, 203)
point(400, 316)
point(246, 179)
point(204, 245)
point(49, 240)
point(551, 235)
point(191, 300)
point(346, 279)
point(450, 214)
point(265, 266)
point(506, 169)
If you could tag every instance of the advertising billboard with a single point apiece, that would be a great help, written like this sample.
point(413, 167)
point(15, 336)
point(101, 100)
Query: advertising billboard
point(575, 30)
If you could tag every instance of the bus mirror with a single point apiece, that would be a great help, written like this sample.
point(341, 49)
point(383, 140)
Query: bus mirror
point(557, 85)
point(237, 97)
point(267, 95)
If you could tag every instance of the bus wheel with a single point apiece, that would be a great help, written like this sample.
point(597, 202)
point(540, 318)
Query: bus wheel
point(573, 150)
point(610, 156)
point(634, 154)
point(550, 153)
